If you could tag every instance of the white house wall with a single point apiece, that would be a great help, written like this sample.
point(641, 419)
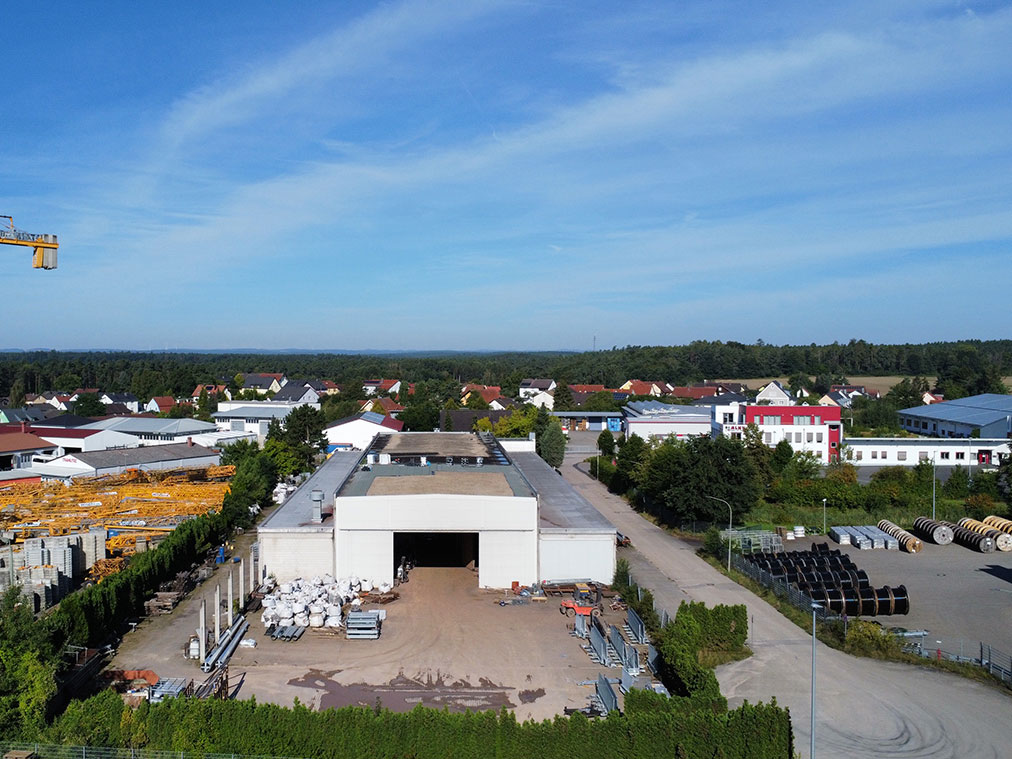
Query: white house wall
point(573, 556)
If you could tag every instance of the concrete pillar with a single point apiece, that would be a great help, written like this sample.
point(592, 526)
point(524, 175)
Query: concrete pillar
point(252, 571)
point(242, 584)
point(217, 614)
point(229, 608)
point(202, 630)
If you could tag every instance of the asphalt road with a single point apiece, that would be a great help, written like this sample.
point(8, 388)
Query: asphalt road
point(864, 708)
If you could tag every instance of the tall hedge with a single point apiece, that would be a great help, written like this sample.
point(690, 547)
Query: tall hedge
point(647, 731)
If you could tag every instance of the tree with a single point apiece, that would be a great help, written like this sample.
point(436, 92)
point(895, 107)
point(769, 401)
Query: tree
point(797, 382)
point(563, 398)
point(958, 484)
point(235, 453)
point(207, 404)
point(630, 455)
point(606, 443)
point(180, 411)
point(284, 457)
point(759, 454)
point(475, 401)
point(68, 381)
point(781, 457)
point(88, 404)
point(303, 432)
point(420, 417)
point(803, 466)
point(17, 394)
point(551, 445)
point(602, 401)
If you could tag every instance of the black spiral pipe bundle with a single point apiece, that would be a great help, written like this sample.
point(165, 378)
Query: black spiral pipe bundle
point(830, 577)
point(937, 532)
point(970, 539)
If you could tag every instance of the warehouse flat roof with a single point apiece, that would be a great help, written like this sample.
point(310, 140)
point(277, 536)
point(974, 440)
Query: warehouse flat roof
point(144, 455)
point(977, 409)
point(562, 508)
point(435, 444)
point(149, 425)
point(296, 513)
point(446, 479)
point(254, 412)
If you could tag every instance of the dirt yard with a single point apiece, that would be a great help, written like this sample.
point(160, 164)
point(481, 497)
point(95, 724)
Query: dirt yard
point(445, 643)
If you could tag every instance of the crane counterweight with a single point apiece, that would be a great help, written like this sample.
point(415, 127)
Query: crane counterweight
point(44, 246)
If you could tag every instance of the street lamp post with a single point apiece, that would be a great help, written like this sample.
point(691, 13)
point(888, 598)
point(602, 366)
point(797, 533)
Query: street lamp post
point(729, 520)
point(932, 487)
point(823, 516)
point(812, 749)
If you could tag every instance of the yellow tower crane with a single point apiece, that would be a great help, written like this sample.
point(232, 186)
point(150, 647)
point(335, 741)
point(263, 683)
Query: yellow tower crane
point(45, 245)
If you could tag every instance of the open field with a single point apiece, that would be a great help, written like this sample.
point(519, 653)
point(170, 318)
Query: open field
point(445, 643)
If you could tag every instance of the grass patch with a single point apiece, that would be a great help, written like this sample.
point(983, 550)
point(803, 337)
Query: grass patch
point(710, 658)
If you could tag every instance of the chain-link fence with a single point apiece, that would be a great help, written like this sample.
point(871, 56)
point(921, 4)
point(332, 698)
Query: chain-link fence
point(997, 663)
point(781, 589)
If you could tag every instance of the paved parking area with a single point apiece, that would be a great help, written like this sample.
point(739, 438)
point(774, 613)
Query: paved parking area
point(959, 595)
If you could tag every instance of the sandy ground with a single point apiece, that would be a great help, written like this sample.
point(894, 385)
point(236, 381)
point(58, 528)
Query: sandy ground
point(444, 643)
point(865, 708)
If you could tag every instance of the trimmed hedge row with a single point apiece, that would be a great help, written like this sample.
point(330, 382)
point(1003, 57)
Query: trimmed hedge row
point(649, 730)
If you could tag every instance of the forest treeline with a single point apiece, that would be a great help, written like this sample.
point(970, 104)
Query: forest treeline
point(149, 374)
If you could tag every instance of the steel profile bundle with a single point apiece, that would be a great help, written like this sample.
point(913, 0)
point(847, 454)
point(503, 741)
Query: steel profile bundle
point(939, 533)
point(999, 523)
point(909, 542)
point(831, 578)
point(970, 539)
point(840, 534)
point(364, 625)
point(1002, 540)
point(858, 538)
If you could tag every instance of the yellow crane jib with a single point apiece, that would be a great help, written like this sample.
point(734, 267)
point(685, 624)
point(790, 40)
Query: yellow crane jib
point(45, 246)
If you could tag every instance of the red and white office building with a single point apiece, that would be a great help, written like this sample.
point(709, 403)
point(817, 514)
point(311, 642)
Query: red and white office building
point(815, 429)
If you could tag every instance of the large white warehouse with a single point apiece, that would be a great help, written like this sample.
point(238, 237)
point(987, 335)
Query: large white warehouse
point(439, 499)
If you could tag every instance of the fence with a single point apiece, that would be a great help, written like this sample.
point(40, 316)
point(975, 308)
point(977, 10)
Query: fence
point(997, 663)
point(48, 751)
point(781, 589)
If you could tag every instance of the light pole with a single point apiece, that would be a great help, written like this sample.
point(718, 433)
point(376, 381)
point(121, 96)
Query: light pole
point(823, 516)
point(812, 749)
point(729, 520)
point(933, 487)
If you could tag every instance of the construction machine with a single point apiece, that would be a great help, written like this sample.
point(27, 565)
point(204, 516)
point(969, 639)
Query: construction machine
point(45, 246)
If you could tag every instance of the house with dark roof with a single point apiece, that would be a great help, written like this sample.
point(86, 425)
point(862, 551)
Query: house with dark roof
point(297, 393)
point(129, 400)
point(531, 387)
point(262, 384)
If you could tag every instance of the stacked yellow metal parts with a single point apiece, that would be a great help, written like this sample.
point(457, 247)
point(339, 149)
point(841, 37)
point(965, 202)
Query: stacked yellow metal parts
point(144, 505)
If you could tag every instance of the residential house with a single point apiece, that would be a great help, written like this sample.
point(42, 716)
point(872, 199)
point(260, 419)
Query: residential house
point(17, 415)
point(543, 398)
point(357, 432)
point(851, 390)
point(774, 394)
point(639, 387)
point(160, 404)
point(587, 389)
point(129, 400)
point(501, 404)
point(388, 405)
point(928, 398)
point(532, 387)
point(488, 393)
point(297, 393)
point(213, 391)
point(836, 398)
point(251, 418)
point(262, 384)
point(330, 388)
point(694, 392)
point(380, 386)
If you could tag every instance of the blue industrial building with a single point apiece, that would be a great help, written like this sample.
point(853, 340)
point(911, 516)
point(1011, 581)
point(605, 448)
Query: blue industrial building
point(986, 416)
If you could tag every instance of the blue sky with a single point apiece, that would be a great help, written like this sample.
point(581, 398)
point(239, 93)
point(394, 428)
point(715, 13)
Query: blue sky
point(500, 175)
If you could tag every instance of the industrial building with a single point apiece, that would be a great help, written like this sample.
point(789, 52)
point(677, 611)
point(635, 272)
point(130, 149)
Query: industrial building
point(986, 416)
point(439, 499)
point(117, 460)
point(657, 420)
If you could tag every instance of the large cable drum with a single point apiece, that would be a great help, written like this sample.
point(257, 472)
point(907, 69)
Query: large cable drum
point(937, 532)
point(970, 539)
point(1002, 540)
point(999, 523)
point(909, 542)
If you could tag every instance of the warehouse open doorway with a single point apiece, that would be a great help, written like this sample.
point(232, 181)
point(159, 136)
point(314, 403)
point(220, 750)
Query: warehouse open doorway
point(437, 549)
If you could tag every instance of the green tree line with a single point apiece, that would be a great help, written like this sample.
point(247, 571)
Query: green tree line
point(961, 367)
point(31, 651)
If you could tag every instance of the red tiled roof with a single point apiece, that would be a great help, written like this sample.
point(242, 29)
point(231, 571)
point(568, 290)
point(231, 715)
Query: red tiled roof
point(16, 442)
point(587, 388)
point(693, 392)
point(67, 432)
point(394, 424)
point(211, 390)
point(164, 401)
point(389, 404)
